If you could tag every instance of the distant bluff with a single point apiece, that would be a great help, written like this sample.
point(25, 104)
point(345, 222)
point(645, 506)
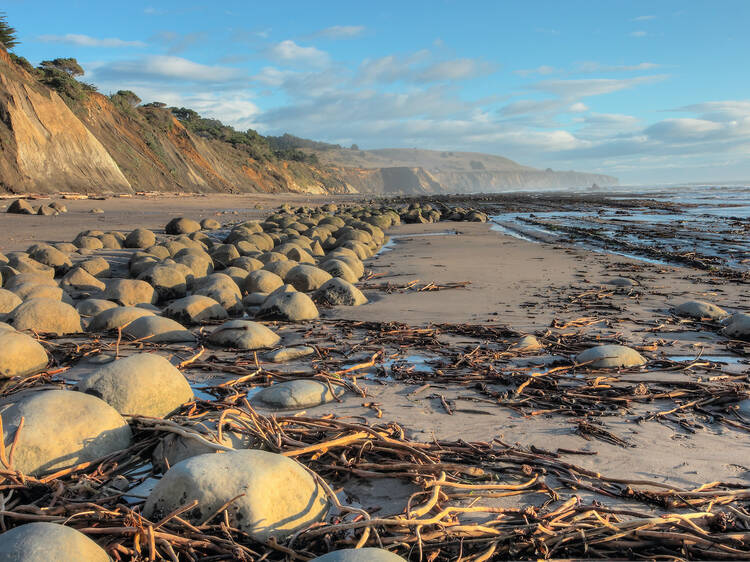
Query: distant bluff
point(61, 135)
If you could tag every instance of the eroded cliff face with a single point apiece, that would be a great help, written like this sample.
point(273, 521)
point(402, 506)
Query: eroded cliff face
point(473, 182)
point(44, 147)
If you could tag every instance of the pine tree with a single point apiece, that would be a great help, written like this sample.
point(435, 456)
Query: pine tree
point(7, 33)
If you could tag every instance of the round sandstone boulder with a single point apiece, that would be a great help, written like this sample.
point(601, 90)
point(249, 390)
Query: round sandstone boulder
point(338, 292)
point(610, 357)
point(296, 394)
point(700, 310)
point(292, 307)
point(367, 554)
point(46, 316)
point(195, 309)
point(156, 329)
point(243, 334)
point(20, 355)
point(48, 542)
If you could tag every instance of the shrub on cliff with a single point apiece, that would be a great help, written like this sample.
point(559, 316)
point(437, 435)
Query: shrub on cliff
point(7, 33)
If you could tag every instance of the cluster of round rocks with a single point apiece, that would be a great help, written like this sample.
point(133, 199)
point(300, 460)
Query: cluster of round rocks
point(23, 207)
point(282, 268)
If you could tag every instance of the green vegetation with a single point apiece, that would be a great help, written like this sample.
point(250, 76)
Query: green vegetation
point(289, 142)
point(7, 33)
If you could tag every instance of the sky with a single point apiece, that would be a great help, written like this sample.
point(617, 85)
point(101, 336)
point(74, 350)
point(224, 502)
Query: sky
point(651, 92)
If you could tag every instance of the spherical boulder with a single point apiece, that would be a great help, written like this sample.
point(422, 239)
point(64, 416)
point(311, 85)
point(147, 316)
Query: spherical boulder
point(300, 393)
point(49, 542)
point(156, 329)
point(145, 384)
point(92, 307)
point(140, 238)
point(610, 356)
point(700, 310)
point(285, 354)
point(80, 280)
point(339, 268)
point(53, 258)
point(8, 301)
point(338, 292)
point(367, 554)
point(52, 438)
point(306, 278)
point(46, 316)
point(28, 291)
point(243, 334)
point(223, 290)
point(20, 355)
point(292, 307)
point(210, 224)
point(195, 309)
point(274, 496)
point(129, 292)
point(182, 225)
point(280, 268)
point(98, 267)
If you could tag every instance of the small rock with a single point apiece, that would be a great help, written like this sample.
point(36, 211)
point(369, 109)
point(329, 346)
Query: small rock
point(738, 326)
point(367, 554)
point(289, 353)
point(527, 343)
point(145, 384)
point(210, 224)
point(700, 310)
point(182, 225)
point(296, 394)
point(20, 207)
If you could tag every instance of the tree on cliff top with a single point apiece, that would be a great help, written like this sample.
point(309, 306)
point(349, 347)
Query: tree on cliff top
point(69, 66)
point(7, 33)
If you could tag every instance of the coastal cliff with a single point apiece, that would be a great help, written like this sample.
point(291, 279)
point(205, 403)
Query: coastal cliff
point(59, 134)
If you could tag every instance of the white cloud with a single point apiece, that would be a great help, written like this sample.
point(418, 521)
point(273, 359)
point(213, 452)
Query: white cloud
point(452, 70)
point(639, 33)
point(578, 107)
point(644, 18)
point(290, 53)
point(592, 86)
point(687, 129)
point(88, 41)
point(421, 68)
point(391, 68)
point(341, 31)
point(161, 68)
point(541, 70)
point(590, 66)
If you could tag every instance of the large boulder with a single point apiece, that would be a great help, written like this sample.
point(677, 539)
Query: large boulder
point(280, 268)
point(292, 307)
point(610, 356)
point(144, 384)
point(156, 329)
point(273, 496)
point(117, 317)
point(367, 554)
point(339, 268)
point(29, 291)
point(300, 393)
point(53, 258)
point(48, 542)
point(223, 290)
point(92, 307)
point(306, 278)
point(80, 280)
point(182, 225)
point(24, 264)
point(738, 326)
point(338, 292)
point(140, 238)
point(29, 278)
point(98, 267)
point(62, 428)
point(8, 301)
point(46, 316)
point(700, 310)
point(195, 309)
point(129, 292)
point(262, 281)
point(210, 224)
point(21, 207)
point(167, 280)
point(243, 334)
point(20, 355)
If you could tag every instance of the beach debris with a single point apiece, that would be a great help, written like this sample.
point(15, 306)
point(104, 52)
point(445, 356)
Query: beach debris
point(58, 429)
point(144, 384)
point(38, 541)
point(610, 357)
point(265, 495)
point(298, 394)
point(243, 334)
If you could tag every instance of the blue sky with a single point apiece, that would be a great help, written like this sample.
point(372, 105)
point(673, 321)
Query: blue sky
point(651, 92)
